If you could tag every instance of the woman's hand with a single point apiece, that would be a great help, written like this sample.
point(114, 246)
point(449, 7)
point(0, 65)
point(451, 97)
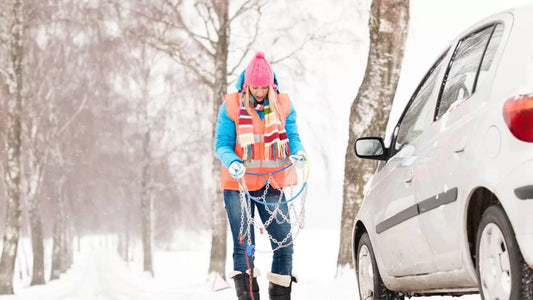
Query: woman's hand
point(237, 169)
point(299, 159)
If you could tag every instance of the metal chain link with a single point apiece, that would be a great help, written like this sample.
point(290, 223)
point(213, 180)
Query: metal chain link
point(299, 219)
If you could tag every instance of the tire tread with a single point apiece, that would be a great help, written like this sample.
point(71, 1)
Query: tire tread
point(382, 292)
point(527, 280)
point(495, 214)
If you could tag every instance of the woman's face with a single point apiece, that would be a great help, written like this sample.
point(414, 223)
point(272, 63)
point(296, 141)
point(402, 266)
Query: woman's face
point(259, 92)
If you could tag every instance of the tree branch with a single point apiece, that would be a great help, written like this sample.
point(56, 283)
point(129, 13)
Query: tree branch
point(249, 45)
point(244, 8)
point(296, 50)
point(174, 50)
point(207, 20)
point(4, 73)
point(69, 121)
point(188, 31)
point(177, 54)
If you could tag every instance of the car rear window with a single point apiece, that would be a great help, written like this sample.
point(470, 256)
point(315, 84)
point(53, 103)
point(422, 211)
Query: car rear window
point(470, 63)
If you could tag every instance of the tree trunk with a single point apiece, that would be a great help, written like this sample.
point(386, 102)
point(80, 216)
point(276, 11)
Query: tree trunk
point(388, 25)
point(64, 250)
point(146, 208)
point(13, 144)
point(57, 245)
point(123, 234)
point(59, 234)
point(69, 248)
point(37, 244)
point(67, 244)
point(35, 176)
point(120, 245)
point(126, 240)
point(217, 263)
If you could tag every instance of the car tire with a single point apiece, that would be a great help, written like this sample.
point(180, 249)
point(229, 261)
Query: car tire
point(501, 269)
point(371, 286)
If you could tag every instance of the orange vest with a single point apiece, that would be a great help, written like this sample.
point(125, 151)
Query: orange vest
point(258, 164)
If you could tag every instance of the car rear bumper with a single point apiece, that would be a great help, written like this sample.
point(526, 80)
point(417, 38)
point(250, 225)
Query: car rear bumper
point(514, 194)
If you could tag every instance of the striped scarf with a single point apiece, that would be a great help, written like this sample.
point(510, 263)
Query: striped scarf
point(276, 139)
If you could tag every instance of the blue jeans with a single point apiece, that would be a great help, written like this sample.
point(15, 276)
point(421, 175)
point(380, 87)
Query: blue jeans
point(282, 258)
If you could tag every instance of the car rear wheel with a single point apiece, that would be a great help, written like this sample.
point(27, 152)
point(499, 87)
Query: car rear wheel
point(371, 286)
point(502, 272)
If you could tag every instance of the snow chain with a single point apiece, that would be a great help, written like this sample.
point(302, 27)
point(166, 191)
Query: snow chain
point(276, 214)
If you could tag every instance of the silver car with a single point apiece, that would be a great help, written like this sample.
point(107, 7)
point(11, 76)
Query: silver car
point(449, 210)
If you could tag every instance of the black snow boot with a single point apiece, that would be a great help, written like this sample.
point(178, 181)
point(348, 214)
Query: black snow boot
point(242, 287)
point(280, 286)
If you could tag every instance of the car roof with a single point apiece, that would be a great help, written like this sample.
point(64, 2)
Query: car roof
point(519, 13)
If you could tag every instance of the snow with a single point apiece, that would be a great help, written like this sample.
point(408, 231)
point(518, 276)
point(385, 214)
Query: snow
point(99, 273)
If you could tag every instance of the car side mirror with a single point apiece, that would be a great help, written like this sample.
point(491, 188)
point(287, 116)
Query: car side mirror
point(370, 148)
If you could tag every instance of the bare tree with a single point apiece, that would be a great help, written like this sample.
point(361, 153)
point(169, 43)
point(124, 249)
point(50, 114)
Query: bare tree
point(388, 25)
point(197, 34)
point(59, 239)
point(141, 68)
point(11, 73)
point(49, 110)
point(209, 65)
point(169, 31)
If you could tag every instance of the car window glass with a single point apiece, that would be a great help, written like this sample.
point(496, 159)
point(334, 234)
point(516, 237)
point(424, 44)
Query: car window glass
point(421, 111)
point(489, 55)
point(465, 63)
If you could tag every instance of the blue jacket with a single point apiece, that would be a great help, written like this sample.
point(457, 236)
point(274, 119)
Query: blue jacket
point(226, 133)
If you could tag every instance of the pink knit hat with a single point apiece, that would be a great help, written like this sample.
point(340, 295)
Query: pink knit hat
point(259, 72)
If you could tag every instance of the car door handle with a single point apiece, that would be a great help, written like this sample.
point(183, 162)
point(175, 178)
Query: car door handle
point(408, 177)
point(461, 147)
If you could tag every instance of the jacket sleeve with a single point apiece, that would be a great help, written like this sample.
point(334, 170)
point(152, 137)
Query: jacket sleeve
point(295, 144)
point(225, 136)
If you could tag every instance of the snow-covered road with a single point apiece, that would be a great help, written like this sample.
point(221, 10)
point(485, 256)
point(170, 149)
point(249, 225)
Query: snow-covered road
point(99, 273)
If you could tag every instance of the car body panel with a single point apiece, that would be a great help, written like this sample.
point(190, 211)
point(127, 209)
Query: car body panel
point(419, 227)
point(402, 259)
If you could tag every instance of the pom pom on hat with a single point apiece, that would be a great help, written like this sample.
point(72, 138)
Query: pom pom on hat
point(259, 72)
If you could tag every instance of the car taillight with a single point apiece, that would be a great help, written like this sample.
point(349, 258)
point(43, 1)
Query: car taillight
point(518, 115)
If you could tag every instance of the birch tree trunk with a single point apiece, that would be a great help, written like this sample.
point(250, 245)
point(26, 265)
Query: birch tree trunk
point(125, 236)
point(217, 262)
point(59, 233)
point(388, 26)
point(12, 168)
point(68, 253)
point(57, 240)
point(127, 242)
point(37, 244)
point(204, 52)
point(36, 169)
point(146, 206)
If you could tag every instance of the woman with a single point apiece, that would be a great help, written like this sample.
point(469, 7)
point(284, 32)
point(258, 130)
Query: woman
point(256, 132)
